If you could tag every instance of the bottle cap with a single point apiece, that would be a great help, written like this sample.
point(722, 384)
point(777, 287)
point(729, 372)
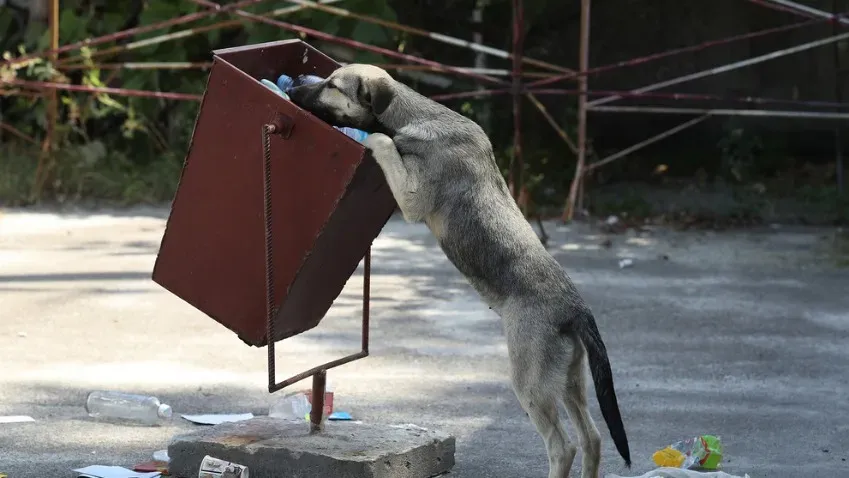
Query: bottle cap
point(284, 82)
point(164, 411)
point(308, 80)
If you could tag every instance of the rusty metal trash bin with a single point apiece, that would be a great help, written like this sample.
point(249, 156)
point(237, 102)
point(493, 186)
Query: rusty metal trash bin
point(328, 201)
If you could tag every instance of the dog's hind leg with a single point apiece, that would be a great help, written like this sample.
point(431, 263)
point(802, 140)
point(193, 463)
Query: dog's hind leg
point(575, 401)
point(543, 414)
point(401, 182)
point(538, 370)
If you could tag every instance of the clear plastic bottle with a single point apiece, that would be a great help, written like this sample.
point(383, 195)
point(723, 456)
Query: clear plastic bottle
point(292, 406)
point(119, 406)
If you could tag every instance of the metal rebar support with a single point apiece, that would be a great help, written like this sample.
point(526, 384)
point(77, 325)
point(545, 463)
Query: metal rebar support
point(516, 177)
point(584, 60)
point(319, 385)
point(838, 97)
point(319, 373)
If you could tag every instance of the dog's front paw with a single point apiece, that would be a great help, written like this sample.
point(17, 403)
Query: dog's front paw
point(378, 142)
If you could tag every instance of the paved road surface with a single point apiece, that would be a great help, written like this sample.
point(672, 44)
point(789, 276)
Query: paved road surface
point(743, 335)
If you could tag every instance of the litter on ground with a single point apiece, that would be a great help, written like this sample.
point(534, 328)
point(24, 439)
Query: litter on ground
point(102, 471)
point(16, 419)
point(218, 418)
point(680, 473)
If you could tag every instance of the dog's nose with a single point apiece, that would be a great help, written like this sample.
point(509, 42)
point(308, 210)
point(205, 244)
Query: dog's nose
point(295, 93)
point(299, 94)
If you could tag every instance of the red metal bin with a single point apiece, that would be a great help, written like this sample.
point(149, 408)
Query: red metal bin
point(330, 200)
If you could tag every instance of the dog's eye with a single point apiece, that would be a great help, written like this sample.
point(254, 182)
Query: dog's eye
point(332, 85)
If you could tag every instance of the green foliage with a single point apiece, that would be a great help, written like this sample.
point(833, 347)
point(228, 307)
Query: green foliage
point(130, 149)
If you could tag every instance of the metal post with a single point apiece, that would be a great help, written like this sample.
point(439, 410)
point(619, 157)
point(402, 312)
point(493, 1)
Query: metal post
point(584, 60)
point(319, 384)
point(838, 97)
point(480, 61)
point(51, 95)
point(516, 182)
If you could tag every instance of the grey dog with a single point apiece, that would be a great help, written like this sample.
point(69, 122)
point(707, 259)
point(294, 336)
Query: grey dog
point(441, 170)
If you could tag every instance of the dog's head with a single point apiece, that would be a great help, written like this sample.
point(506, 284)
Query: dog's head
point(353, 95)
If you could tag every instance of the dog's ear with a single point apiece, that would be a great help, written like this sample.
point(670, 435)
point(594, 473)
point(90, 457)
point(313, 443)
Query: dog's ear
point(375, 92)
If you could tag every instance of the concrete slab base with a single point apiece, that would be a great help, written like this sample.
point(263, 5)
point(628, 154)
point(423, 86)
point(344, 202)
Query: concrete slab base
point(276, 448)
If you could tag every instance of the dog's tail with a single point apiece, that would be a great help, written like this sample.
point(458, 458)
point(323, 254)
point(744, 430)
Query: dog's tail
point(603, 381)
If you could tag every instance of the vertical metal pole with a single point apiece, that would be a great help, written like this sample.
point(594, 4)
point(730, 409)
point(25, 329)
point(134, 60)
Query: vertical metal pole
point(319, 383)
point(838, 97)
point(268, 130)
point(366, 298)
point(517, 182)
point(480, 62)
point(584, 59)
point(51, 95)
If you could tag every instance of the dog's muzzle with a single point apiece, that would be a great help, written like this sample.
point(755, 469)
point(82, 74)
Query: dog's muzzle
point(304, 95)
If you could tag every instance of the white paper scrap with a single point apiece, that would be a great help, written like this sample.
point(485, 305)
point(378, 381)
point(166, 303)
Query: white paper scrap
point(101, 471)
point(215, 419)
point(16, 419)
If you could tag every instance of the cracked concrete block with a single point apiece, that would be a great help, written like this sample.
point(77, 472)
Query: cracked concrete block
point(276, 448)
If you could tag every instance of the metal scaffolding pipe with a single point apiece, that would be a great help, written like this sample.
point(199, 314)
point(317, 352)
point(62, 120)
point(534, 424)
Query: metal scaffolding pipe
point(104, 90)
point(516, 180)
point(450, 40)
point(726, 68)
point(133, 31)
point(677, 51)
point(172, 36)
point(352, 43)
point(825, 115)
point(584, 61)
point(804, 10)
point(646, 142)
point(150, 65)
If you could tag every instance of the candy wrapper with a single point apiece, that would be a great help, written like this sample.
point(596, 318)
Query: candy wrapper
point(703, 451)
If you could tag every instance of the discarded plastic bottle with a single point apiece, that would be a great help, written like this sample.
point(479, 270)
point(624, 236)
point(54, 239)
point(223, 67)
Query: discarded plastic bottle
point(119, 406)
point(273, 87)
point(284, 82)
point(292, 406)
point(297, 405)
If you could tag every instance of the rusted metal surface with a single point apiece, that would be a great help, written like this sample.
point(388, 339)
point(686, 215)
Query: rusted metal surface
point(329, 202)
point(319, 384)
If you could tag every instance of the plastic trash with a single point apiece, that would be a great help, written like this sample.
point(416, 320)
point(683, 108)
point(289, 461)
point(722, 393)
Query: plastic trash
point(297, 405)
point(271, 86)
point(284, 82)
point(292, 406)
point(703, 451)
point(680, 473)
point(212, 467)
point(161, 455)
point(120, 406)
point(357, 135)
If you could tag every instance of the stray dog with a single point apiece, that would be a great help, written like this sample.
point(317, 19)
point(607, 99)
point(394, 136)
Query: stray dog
point(441, 170)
